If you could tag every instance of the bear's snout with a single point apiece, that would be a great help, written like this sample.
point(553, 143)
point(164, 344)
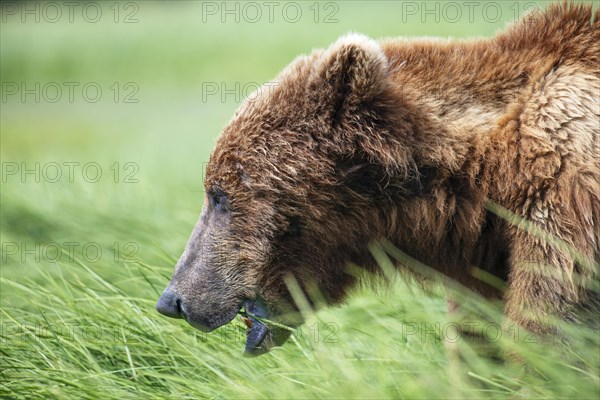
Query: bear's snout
point(169, 304)
point(203, 306)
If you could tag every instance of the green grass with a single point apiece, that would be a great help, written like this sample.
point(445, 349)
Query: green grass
point(76, 327)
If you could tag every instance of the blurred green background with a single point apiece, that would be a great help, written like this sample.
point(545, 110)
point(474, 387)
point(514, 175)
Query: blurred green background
point(91, 250)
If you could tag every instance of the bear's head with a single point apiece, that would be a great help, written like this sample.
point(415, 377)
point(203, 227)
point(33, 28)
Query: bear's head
point(298, 184)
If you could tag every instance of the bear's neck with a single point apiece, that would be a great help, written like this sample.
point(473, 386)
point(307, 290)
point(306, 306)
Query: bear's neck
point(460, 91)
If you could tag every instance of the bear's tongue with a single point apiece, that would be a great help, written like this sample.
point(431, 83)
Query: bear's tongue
point(257, 333)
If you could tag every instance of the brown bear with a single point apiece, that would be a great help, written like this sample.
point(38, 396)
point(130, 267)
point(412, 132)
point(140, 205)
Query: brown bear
point(462, 154)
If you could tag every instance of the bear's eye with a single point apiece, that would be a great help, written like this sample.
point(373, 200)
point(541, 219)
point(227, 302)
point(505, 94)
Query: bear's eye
point(218, 200)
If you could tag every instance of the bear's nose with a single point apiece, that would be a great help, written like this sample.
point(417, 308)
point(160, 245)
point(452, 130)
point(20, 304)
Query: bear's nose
point(169, 304)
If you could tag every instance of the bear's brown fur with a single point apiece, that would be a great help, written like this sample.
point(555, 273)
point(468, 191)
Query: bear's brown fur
point(461, 153)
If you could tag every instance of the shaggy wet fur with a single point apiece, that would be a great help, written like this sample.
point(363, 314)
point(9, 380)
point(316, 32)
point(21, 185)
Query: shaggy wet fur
point(419, 142)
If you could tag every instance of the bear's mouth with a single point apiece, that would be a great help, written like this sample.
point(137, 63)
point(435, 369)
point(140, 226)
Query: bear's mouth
point(261, 334)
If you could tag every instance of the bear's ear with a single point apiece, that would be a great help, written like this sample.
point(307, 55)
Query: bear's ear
point(351, 72)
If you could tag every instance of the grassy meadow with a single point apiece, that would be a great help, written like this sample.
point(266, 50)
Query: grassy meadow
point(109, 112)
